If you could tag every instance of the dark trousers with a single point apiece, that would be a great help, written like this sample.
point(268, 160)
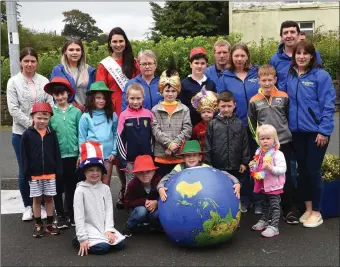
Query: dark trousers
point(271, 209)
point(99, 249)
point(289, 191)
point(309, 158)
point(23, 183)
point(164, 169)
point(66, 184)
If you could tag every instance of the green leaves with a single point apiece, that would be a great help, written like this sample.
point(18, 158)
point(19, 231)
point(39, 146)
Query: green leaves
point(331, 167)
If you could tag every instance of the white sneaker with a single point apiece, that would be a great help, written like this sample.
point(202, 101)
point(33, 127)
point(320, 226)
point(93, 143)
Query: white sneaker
point(27, 214)
point(43, 213)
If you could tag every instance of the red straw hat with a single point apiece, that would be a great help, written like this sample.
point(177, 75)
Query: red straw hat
point(198, 50)
point(48, 88)
point(143, 163)
point(42, 107)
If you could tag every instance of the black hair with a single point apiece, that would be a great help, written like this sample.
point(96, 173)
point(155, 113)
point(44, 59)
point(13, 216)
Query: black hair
point(58, 88)
point(288, 24)
point(128, 59)
point(108, 108)
point(225, 96)
point(199, 56)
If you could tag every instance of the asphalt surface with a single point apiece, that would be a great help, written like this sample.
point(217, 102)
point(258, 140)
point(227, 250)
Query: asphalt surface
point(295, 246)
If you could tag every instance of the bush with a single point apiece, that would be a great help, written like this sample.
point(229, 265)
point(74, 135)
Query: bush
point(331, 167)
point(326, 43)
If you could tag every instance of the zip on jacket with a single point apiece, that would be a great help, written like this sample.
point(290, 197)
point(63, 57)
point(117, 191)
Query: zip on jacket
point(311, 101)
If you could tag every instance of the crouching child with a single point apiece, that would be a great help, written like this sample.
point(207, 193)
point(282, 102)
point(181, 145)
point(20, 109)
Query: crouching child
point(141, 196)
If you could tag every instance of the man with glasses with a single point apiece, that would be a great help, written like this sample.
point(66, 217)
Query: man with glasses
point(221, 54)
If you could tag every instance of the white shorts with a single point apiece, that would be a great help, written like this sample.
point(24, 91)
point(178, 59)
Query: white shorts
point(45, 187)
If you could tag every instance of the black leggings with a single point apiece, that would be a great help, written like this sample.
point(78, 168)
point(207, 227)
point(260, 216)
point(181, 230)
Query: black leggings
point(67, 183)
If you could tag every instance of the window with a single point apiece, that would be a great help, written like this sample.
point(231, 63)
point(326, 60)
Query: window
point(307, 27)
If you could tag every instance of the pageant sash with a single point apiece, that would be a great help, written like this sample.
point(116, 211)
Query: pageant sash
point(116, 72)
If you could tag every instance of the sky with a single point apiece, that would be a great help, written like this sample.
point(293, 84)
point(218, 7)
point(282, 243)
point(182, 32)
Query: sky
point(135, 18)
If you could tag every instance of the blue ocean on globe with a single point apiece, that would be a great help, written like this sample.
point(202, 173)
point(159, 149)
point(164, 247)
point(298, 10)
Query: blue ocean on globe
point(201, 208)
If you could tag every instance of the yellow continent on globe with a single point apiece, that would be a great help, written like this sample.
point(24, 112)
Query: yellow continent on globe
point(189, 190)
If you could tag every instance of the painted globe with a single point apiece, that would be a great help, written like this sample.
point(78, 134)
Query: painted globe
point(201, 209)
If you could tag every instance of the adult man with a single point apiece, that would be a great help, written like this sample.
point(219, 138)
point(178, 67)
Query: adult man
point(302, 36)
point(281, 60)
point(221, 54)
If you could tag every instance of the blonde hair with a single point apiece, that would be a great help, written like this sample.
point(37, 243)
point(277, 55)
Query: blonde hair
point(148, 53)
point(266, 70)
point(268, 129)
point(134, 86)
point(220, 43)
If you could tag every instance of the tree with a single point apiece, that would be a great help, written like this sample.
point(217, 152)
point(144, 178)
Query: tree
point(190, 18)
point(79, 24)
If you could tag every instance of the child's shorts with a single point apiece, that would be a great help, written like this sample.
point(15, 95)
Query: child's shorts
point(45, 187)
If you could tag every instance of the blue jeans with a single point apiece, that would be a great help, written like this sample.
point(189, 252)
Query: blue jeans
point(309, 158)
point(141, 215)
point(23, 184)
point(100, 248)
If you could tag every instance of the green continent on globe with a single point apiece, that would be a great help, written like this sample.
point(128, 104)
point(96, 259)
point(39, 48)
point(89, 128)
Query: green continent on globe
point(217, 229)
point(189, 190)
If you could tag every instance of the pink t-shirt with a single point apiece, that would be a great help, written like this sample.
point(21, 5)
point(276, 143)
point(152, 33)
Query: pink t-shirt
point(31, 87)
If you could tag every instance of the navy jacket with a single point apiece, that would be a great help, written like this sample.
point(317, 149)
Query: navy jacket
point(40, 155)
point(282, 62)
point(242, 90)
point(59, 71)
point(151, 94)
point(190, 88)
point(311, 102)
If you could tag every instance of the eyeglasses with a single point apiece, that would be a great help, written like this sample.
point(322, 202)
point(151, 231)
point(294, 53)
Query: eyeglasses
point(148, 64)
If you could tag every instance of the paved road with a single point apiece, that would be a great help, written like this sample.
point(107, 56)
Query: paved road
point(247, 248)
point(9, 167)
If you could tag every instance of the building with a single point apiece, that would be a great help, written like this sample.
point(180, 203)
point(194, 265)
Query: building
point(256, 19)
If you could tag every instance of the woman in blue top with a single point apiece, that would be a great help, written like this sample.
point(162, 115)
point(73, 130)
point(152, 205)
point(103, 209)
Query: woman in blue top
point(73, 67)
point(311, 109)
point(148, 64)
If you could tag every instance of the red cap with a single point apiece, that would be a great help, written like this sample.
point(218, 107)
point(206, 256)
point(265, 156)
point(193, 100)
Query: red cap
point(143, 163)
point(59, 80)
point(42, 107)
point(197, 50)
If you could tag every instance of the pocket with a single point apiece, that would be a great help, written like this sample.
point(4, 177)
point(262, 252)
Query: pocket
point(311, 112)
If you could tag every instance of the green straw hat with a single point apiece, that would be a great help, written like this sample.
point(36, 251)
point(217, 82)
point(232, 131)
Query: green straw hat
point(192, 146)
point(99, 86)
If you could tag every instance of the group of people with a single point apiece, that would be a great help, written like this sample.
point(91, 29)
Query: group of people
point(245, 120)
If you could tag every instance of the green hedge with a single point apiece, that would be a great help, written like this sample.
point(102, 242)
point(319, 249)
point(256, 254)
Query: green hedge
point(327, 44)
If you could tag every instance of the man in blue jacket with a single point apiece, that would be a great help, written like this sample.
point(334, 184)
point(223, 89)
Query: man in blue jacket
point(221, 55)
point(281, 60)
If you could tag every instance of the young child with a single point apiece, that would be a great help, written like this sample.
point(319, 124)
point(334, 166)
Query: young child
point(204, 102)
point(41, 165)
point(270, 106)
point(99, 123)
point(268, 169)
point(93, 209)
point(226, 140)
point(196, 81)
point(65, 122)
point(134, 130)
point(141, 195)
point(192, 155)
point(171, 124)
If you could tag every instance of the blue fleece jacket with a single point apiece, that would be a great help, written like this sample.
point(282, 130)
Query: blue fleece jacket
point(281, 62)
point(311, 102)
point(59, 71)
point(151, 93)
point(214, 75)
point(242, 90)
point(100, 130)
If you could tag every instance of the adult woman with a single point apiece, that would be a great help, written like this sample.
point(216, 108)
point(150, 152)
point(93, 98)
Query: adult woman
point(148, 64)
point(312, 106)
point(117, 69)
point(240, 78)
point(73, 67)
point(23, 90)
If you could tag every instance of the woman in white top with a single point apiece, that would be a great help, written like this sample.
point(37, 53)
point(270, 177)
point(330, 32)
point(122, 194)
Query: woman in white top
point(23, 90)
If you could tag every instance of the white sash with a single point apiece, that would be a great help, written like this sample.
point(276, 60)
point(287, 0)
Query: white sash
point(116, 72)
